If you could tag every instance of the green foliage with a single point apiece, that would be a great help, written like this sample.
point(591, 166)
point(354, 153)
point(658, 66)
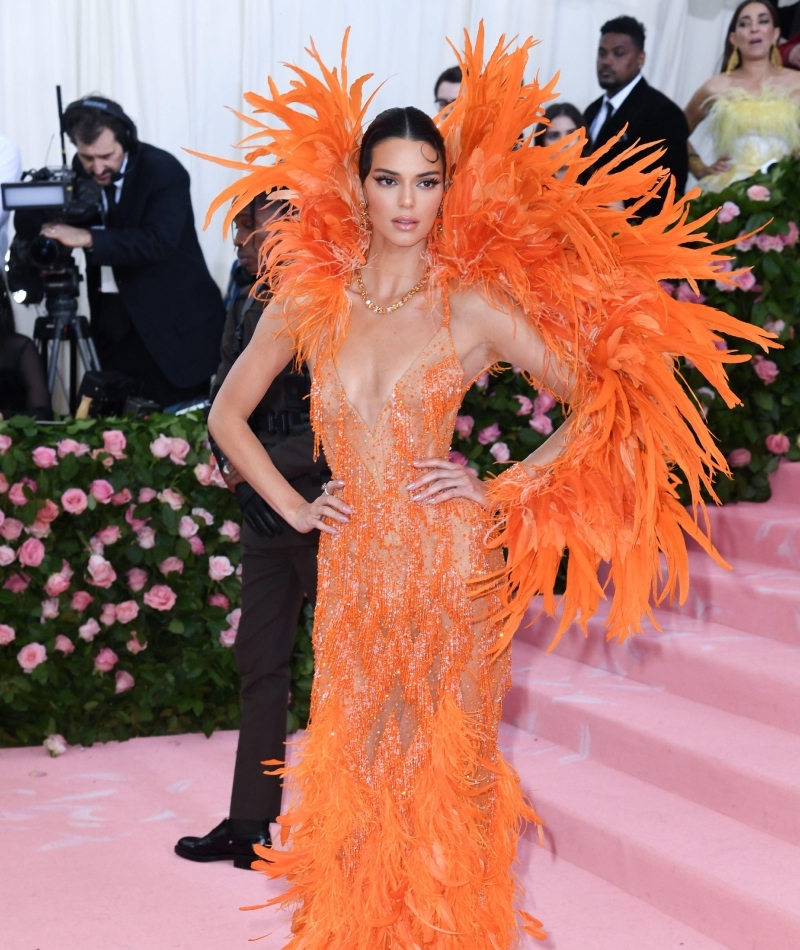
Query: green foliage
point(185, 680)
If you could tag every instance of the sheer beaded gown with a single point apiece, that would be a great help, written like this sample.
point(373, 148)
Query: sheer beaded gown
point(406, 803)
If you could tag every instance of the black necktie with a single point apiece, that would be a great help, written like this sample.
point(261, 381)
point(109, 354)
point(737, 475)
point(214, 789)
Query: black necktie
point(111, 204)
point(604, 123)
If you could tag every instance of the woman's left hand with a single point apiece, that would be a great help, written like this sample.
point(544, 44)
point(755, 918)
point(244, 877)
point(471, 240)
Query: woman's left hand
point(444, 481)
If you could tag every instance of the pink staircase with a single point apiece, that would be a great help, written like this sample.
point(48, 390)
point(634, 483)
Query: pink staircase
point(667, 769)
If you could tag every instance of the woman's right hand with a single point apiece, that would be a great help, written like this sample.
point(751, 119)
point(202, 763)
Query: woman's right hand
point(312, 514)
point(722, 164)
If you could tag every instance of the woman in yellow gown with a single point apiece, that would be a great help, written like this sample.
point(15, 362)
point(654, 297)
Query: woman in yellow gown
point(752, 107)
point(405, 817)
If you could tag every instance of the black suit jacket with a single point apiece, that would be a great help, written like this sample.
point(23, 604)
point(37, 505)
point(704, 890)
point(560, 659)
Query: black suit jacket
point(650, 117)
point(159, 268)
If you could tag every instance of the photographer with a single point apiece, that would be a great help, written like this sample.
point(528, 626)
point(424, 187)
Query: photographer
point(279, 566)
point(156, 313)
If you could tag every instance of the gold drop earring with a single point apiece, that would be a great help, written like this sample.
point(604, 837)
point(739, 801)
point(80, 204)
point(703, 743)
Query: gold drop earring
point(733, 60)
point(775, 56)
point(439, 214)
point(363, 212)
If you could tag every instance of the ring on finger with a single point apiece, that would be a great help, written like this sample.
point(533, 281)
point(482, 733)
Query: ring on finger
point(325, 489)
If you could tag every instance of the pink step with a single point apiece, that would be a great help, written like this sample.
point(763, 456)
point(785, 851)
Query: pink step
point(739, 767)
point(767, 533)
point(753, 597)
point(785, 483)
point(739, 672)
point(730, 882)
point(583, 912)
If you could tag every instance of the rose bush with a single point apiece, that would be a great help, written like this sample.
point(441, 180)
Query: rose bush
point(118, 577)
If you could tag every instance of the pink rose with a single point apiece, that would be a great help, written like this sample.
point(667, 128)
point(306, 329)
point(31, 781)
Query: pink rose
point(11, 529)
point(64, 645)
point(179, 449)
point(109, 535)
point(106, 660)
point(219, 567)
point(464, 426)
point(766, 370)
point(216, 475)
point(44, 457)
point(230, 530)
point(172, 498)
point(203, 473)
point(55, 745)
point(121, 497)
point(108, 615)
point(745, 243)
point(146, 538)
point(769, 242)
point(147, 494)
point(739, 458)
point(724, 286)
point(777, 443)
point(205, 515)
point(457, 458)
point(133, 645)
point(7, 634)
point(234, 617)
point(667, 287)
point(543, 403)
point(48, 512)
point(775, 326)
point(102, 491)
point(227, 638)
point(728, 212)
point(790, 238)
point(123, 681)
point(31, 554)
point(482, 381)
point(114, 442)
point(30, 656)
point(541, 424)
point(17, 496)
point(758, 193)
point(126, 611)
point(39, 529)
point(5, 443)
point(135, 523)
point(745, 281)
point(525, 406)
point(81, 600)
point(50, 609)
point(685, 294)
point(500, 452)
point(171, 564)
point(187, 527)
point(161, 447)
point(17, 583)
point(219, 600)
point(489, 434)
point(137, 578)
point(101, 572)
point(59, 582)
point(71, 447)
point(197, 545)
point(160, 597)
point(7, 555)
point(89, 630)
point(74, 501)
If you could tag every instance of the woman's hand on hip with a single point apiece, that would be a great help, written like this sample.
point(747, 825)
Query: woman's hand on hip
point(444, 481)
point(327, 507)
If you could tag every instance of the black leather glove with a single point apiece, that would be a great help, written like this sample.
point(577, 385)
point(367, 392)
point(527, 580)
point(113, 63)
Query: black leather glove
point(257, 513)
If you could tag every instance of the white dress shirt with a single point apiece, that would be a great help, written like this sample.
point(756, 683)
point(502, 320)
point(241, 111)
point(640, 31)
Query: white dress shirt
point(615, 102)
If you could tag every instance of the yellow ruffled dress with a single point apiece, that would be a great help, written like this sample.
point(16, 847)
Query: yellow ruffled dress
point(754, 130)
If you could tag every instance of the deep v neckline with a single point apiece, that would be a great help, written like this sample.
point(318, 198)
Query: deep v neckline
point(390, 398)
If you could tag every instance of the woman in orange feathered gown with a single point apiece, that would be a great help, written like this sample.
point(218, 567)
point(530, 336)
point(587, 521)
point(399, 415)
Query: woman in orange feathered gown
point(406, 817)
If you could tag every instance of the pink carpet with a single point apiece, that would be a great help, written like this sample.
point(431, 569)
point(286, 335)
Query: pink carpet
point(667, 771)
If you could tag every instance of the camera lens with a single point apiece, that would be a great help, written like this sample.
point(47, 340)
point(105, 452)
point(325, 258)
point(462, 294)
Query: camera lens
point(44, 251)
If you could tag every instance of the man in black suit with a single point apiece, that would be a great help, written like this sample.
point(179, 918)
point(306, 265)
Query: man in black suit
point(629, 101)
point(157, 314)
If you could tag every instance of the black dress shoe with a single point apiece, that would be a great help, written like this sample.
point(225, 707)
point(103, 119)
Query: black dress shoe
point(227, 842)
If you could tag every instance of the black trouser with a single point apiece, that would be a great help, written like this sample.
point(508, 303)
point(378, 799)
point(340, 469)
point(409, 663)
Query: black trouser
point(119, 347)
point(274, 581)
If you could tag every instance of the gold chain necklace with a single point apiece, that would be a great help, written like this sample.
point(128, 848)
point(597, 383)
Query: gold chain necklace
point(395, 306)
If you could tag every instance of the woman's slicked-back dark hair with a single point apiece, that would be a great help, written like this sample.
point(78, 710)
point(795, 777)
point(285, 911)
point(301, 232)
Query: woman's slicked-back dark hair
point(728, 51)
point(400, 123)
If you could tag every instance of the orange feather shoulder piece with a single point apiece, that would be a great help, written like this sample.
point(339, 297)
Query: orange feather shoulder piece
point(585, 274)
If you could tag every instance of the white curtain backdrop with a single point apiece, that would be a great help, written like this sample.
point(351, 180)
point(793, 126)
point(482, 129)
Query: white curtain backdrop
point(174, 65)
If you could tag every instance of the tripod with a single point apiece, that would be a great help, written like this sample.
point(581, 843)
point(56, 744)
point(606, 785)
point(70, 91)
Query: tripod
point(62, 323)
